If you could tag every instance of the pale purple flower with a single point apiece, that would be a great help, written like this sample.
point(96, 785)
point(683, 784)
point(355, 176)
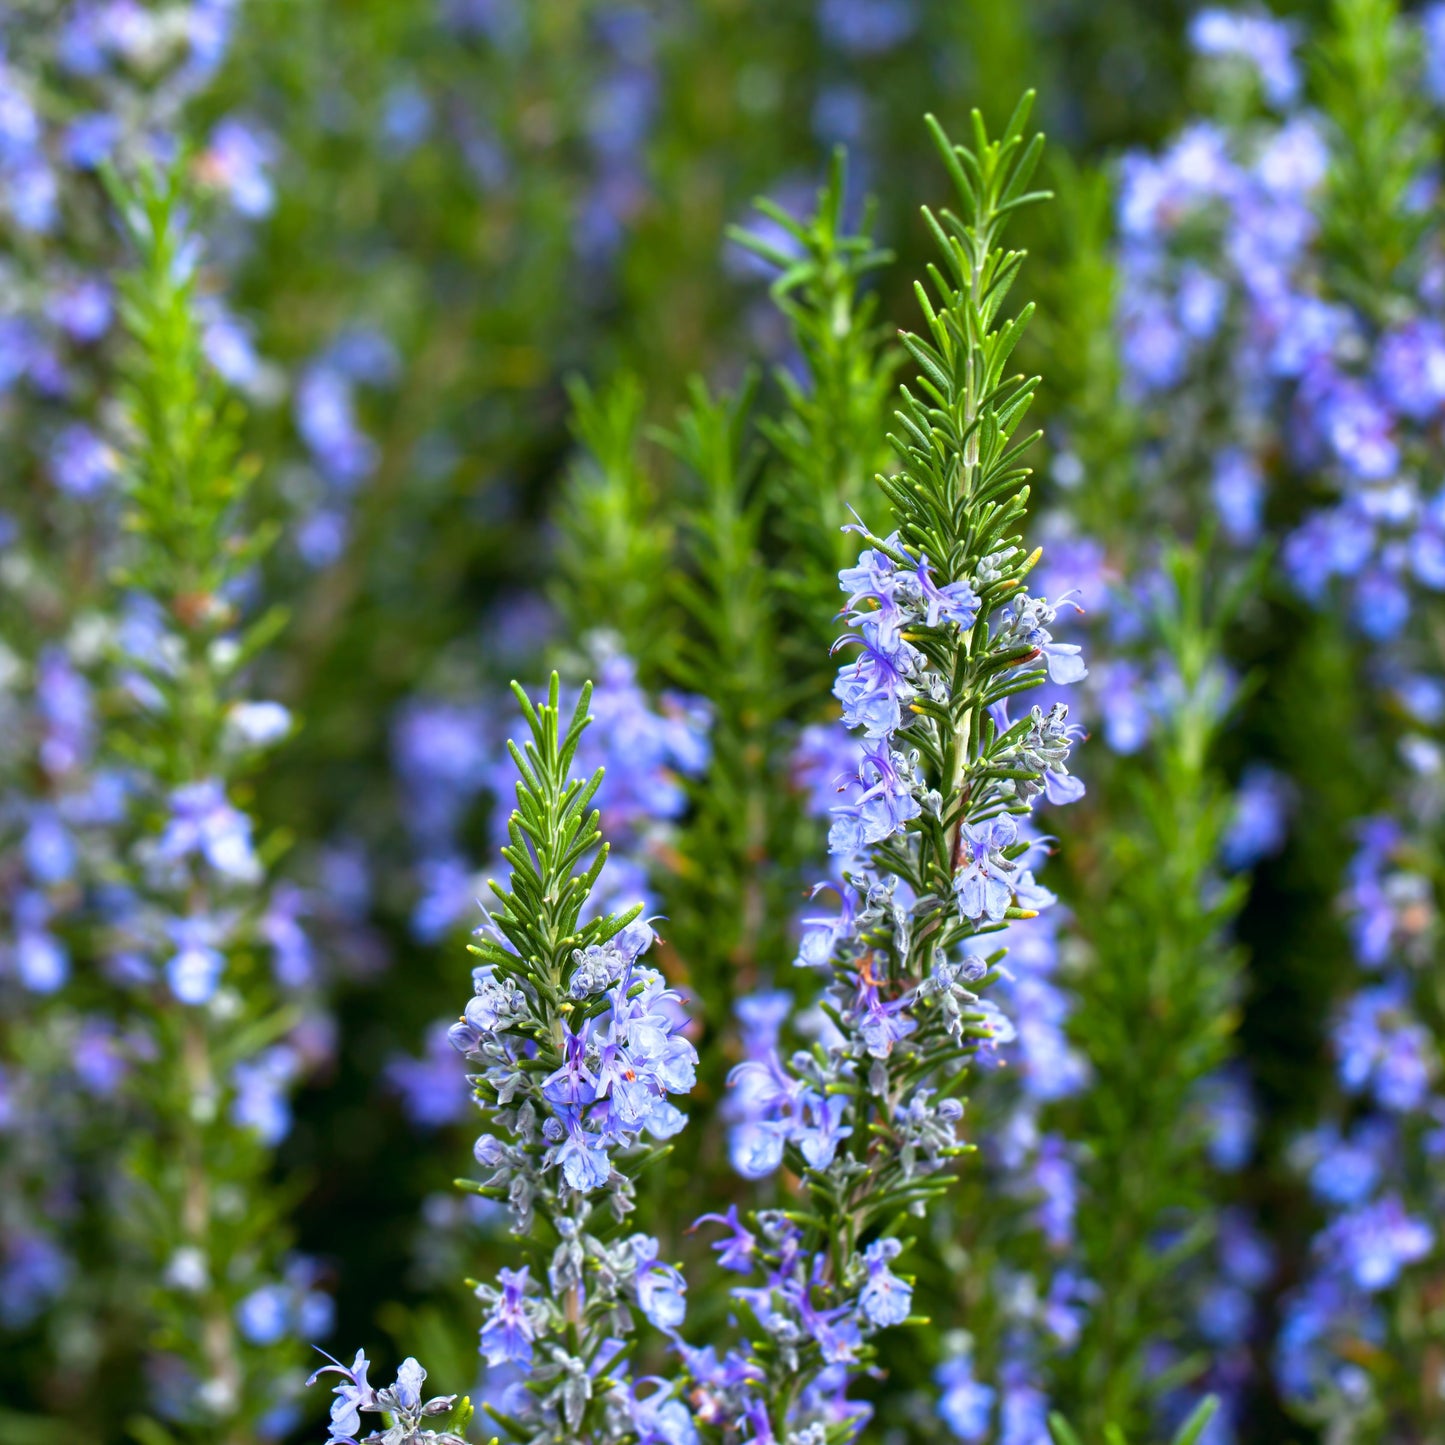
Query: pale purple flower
point(34, 1271)
point(204, 821)
point(264, 1315)
point(1260, 818)
point(966, 1405)
point(821, 1129)
point(81, 464)
point(1054, 1177)
point(866, 27)
point(433, 1088)
point(1432, 22)
point(1201, 299)
point(1381, 1046)
point(880, 1023)
point(1229, 1118)
point(1410, 368)
point(1345, 1170)
point(661, 1289)
point(42, 962)
point(326, 418)
point(573, 1084)
point(582, 1156)
point(262, 1086)
point(874, 686)
point(1263, 42)
point(737, 1250)
point(885, 1298)
point(90, 139)
point(983, 880)
point(82, 307)
point(238, 161)
point(1375, 1243)
point(49, 850)
point(258, 724)
point(1237, 486)
point(510, 1329)
point(353, 1395)
point(194, 970)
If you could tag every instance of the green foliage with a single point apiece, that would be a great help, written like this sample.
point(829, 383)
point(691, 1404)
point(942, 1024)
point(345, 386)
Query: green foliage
point(1158, 1005)
point(961, 486)
point(729, 901)
point(186, 484)
point(182, 477)
point(1187, 1434)
point(1382, 143)
point(556, 852)
point(830, 439)
point(616, 541)
point(196, 1215)
point(1095, 432)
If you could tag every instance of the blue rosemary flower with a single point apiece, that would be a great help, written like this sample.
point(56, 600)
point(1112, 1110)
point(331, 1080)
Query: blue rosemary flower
point(577, 1046)
point(928, 847)
point(401, 1401)
point(984, 881)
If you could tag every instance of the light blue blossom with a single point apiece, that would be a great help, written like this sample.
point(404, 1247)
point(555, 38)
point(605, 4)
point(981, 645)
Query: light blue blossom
point(983, 881)
point(203, 821)
point(966, 1405)
point(885, 1299)
point(510, 1329)
point(194, 970)
point(1265, 43)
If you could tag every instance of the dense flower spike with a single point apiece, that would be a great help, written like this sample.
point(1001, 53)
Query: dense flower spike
point(929, 848)
point(221, 1046)
point(1292, 246)
point(1231, 246)
point(81, 86)
point(576, 1046)
point(448, 753)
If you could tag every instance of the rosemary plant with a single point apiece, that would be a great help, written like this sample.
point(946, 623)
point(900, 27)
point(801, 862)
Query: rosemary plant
point(190, 927)
point(577, 1045)
point(830, 435)
point(929, 843)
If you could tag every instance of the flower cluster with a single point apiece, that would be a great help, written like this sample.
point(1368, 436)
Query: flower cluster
point(618, 1066)
point(1226, 253)
point(1042, 1296)
point(401, 1402)
point(80, 86)
point(447, 756)
point(576, 1046)
point(930, 856)
point(217, 1048)
point(1255, 250)
point(1361, 1166)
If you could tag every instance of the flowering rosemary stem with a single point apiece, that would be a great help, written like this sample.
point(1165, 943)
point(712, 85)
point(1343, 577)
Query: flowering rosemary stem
point(928, 844)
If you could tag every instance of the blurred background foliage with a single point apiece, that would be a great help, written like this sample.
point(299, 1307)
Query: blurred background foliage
point(506, 195)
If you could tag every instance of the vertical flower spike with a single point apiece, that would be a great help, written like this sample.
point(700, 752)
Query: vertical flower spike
point(225, 1312)
point(942, 634)
point(577, 1050)
point(1271, 256)
point(80, 85)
